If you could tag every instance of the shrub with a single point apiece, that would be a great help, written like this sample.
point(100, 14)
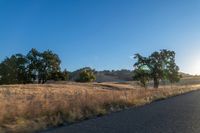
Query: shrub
point(86, 75)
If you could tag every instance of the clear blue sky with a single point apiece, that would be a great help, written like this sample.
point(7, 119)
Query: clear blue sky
point(103, 34)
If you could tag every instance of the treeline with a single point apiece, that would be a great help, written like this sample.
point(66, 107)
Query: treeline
point(39, 67)
point(34, 67)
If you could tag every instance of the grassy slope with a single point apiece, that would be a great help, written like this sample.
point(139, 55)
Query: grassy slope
point(28, 108)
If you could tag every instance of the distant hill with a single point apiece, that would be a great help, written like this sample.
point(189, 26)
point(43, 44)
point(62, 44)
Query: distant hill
point(106, 75)
point(184, 75)
point(123, 75)
point(113, 75)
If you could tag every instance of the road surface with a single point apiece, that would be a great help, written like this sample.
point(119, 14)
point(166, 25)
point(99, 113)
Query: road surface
point(179, 114)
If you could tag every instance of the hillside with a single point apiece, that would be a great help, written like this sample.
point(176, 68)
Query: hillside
point(114, 75)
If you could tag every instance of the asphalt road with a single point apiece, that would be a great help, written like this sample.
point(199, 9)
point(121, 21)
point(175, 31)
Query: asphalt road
point(179, 114)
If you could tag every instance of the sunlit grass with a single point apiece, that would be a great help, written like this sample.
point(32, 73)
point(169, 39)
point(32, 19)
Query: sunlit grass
point(28, 108)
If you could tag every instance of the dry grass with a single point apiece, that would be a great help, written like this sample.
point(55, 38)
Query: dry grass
point(28, 108)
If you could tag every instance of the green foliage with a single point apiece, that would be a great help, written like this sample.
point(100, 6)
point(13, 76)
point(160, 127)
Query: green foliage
point(35, 66)
point(50, 64)
point(59, 76)
point(74, 76)
point(172, 74)
point(86, 75)
point(43, 65)
point(142, 76)
point(65, 75)
point(13, 70)
point(159, 66)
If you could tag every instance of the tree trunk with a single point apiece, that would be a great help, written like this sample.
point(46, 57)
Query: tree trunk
point(39, 81)
point(44, 81)
point(156, 83)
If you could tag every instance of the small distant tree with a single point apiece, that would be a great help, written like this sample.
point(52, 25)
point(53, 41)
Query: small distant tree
point(74, 76)
point(86, 75)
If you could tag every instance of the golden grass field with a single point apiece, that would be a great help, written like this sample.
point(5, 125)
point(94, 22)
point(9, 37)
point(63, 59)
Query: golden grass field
point(29, 108)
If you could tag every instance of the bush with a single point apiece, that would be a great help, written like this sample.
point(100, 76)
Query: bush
point(86, 75)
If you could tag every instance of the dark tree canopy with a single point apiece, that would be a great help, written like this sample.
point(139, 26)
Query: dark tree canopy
point(39, 67)
point(141, 75)
point(42, 65)
point(59, 76)
point(13, 70)
point(158, 66)
point(35, 66)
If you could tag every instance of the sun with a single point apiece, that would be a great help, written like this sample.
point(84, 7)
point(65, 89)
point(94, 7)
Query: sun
point(193, 64)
